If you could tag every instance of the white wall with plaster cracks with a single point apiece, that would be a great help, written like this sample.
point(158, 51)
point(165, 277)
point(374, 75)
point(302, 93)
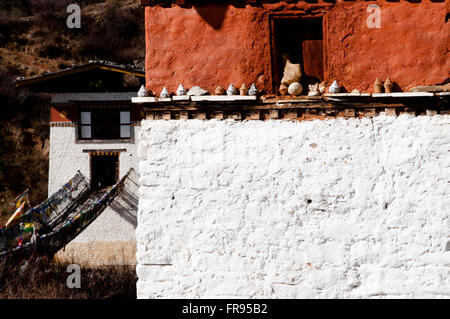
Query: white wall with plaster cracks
point(342, 208)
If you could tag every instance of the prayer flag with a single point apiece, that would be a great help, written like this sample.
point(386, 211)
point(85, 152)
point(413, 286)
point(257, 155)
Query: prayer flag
point(27, 227)
point(16, 214)
point(22, 198)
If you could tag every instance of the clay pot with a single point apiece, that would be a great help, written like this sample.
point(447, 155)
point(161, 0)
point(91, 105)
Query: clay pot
point(295, 88)
point(388, 86)
point(142, 92)
point(164, 93)
point(181, 90)
point(334, 88)
point(243, 90)
point(323, 87)
point(231, 90)
point(253, 90)
point(283, 89)
point(314, 90)
point(220, 91)
point(378, 86)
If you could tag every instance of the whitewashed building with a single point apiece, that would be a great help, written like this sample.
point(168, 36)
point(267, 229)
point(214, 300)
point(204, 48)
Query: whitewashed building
point(94, 129)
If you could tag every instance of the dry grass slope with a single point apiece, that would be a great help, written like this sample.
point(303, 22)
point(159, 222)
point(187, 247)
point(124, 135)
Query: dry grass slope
point(48, 281)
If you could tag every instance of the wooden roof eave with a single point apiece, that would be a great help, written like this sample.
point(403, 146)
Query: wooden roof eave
point(77, 69)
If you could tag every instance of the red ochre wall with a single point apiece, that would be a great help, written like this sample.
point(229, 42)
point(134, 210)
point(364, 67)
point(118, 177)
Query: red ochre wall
point(60, 114)
point(217, 45)
point(70, 113)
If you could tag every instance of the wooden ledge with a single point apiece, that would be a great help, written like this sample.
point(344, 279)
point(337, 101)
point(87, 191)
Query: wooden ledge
point(403, 94)
point(202, 98)
point(223, 98)
point(147, 99)
point(279, 100)
point(347, 94)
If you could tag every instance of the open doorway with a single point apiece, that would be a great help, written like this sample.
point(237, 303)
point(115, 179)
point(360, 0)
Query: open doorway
point(302, 40)
point(104, 170)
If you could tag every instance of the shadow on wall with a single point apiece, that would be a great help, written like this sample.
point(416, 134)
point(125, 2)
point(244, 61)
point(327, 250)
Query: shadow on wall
point(213, 15)
point(126, 204)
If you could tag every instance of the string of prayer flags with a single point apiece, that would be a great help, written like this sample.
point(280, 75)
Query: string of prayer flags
point(43, 214)
point(60, 233)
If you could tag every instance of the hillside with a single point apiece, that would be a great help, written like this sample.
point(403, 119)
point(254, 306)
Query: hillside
point(34, 38)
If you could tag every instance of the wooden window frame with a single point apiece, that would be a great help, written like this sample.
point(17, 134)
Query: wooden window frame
point(275, 67)
point(92, 125)
point(125, 123)
point(81, 125)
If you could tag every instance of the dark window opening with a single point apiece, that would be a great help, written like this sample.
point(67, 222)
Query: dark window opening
point(302, 40)
point(105, 124)
point(104, 170)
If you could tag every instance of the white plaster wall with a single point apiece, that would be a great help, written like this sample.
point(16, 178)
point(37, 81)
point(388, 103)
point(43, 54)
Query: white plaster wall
point(343, 208)
point(118, 221)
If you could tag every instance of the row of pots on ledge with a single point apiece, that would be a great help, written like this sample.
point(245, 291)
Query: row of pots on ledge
point(294, 89)
point(198, 91)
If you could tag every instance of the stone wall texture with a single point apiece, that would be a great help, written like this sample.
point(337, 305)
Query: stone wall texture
point(110, 239)
point(342, 208)
point(190, 44)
